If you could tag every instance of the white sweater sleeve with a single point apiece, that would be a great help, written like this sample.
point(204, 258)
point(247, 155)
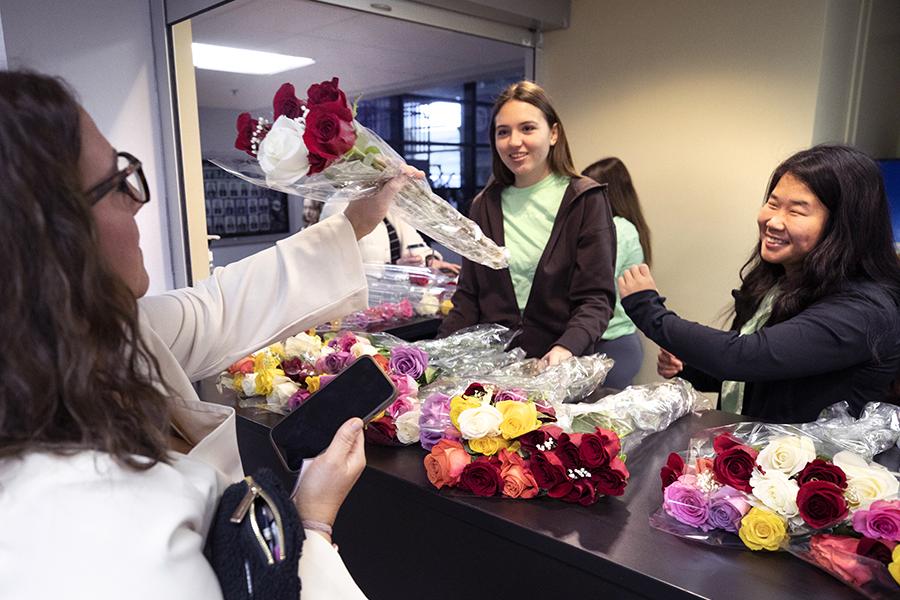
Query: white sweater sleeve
point(323, 575)
point(311, 277)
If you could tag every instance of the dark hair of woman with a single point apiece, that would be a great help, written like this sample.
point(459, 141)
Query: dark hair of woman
point(857, 243)
point(74, 371)
point(623, 198)
point(560, 157)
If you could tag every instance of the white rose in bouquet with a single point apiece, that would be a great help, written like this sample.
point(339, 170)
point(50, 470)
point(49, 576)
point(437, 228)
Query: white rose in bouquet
point(407, 426)
point(282, 390)
point(777, 491)
point(248, 384)
point(282, 154)
point(428, 305)
point(362, 349)
point(479, 422)
point(303, 345)
point(866, 482)
point(788, 454)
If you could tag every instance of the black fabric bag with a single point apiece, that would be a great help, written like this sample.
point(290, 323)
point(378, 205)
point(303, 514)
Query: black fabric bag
point(255, 540)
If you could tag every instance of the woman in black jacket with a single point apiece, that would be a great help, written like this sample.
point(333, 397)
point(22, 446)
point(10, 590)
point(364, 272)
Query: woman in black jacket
point(816, 316)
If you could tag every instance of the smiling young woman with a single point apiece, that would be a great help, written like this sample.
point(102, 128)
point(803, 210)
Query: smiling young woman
point(559, 288)
point(816, 316)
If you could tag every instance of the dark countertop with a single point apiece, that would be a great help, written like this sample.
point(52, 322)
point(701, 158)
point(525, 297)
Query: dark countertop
point(395, 512)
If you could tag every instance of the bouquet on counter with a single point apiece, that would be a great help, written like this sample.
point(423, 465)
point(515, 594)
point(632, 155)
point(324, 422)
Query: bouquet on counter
point(500, 442)
point(775, 487)
point(314, 148)
point(284, 375)
point(398, 293)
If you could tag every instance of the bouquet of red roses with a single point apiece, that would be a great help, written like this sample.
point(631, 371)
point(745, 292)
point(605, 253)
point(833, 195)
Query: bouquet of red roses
point(315, 148)
point(501, 443)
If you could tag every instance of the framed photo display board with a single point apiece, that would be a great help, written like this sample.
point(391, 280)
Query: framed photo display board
point(236, 208)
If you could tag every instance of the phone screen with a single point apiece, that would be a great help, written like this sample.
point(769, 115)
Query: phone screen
point(361, 390)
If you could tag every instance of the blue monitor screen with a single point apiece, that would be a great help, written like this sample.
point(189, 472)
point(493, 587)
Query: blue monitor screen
point(890, 169)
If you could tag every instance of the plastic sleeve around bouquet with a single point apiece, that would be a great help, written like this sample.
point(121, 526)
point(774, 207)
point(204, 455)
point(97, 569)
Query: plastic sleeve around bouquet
point(876, 429)
point(397, 293)
point(757, 435)
point(472, 352)
point(837, 555)
point(360, 173)
point(637, 411)
point(570, 381)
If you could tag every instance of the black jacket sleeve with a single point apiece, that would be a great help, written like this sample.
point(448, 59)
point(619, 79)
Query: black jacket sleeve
point(837, 332)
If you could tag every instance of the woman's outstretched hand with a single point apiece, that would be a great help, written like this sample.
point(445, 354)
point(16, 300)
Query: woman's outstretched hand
point(668, 365)
point(636, 279)
point(366, 213)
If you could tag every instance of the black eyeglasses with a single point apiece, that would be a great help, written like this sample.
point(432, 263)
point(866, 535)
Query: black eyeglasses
point(128, 179)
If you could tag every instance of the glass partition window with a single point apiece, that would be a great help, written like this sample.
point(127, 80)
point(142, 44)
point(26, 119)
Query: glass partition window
point(443, 130)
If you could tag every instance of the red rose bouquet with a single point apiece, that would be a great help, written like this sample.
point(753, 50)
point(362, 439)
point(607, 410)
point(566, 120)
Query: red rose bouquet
point(314, 148)
point(501, 443)
point(777, 487)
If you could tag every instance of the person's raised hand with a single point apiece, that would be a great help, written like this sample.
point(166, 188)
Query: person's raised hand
point(327, 479)
point(366, 213)
point(636, 279)
point(668, 365)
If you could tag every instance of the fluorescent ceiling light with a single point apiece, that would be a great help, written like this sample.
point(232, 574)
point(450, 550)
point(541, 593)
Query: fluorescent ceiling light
point(239, 60)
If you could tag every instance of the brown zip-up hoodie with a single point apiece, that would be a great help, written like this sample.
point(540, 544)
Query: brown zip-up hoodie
point(573, 292)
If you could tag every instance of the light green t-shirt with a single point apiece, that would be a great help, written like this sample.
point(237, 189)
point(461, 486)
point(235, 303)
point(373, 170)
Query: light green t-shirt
point(528, 216)
point(628, 254)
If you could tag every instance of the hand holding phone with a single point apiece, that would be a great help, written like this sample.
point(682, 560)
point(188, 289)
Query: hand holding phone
point(361, 390)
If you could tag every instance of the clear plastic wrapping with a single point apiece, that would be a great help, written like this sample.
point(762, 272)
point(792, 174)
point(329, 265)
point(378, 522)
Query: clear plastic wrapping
point(398, 293)
point(876, 429)
point(472, 352)
point(360, 173)
point(839, 556)
point(637, 411)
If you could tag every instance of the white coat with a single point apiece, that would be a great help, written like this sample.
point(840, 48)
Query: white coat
point(82, 526)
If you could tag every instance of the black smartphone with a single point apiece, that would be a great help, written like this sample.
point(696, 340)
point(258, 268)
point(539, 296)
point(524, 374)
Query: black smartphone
point(361, 390)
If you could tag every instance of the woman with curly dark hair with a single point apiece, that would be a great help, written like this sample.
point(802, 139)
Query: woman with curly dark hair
point(110, 465)
point(816, 317)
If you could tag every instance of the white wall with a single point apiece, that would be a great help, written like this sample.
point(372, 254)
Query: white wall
point(701, 100)
point(104, 50)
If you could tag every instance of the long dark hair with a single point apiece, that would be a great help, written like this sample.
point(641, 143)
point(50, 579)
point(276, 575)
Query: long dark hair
point(74, 371)
point(857, 242)
point(560, 157)
point(623, 198)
